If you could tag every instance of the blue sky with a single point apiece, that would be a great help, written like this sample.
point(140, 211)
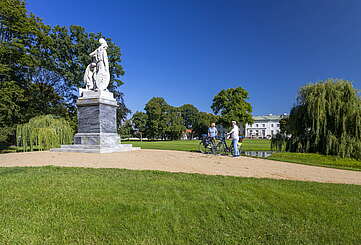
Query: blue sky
point(187, 51)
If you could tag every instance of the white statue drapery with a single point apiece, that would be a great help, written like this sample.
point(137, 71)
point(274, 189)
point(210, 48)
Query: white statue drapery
point(97, 74)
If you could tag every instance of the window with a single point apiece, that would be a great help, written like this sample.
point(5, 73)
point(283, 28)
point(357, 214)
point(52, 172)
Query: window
point(257, 125)
point(278, 125)
point(271, 125)
point(263, 125)
point(272, 132)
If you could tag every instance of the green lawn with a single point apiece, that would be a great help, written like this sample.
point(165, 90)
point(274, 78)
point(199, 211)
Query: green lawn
point(317, 160)
point(52, 205)
point(178, 145)
point(192, 145)
point(258, 145)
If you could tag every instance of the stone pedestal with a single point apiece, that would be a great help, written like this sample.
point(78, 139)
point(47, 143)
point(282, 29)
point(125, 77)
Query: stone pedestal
point(97, 128)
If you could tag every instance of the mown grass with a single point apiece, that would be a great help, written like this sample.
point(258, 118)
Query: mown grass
point(177, 145)
point(317, 160)
point(259, 145)
point(192, 145)
point(52, 205)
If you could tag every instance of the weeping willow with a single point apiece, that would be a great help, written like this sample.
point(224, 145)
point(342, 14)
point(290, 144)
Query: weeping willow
point(44, 132)
point(279, 142)
point(326, 120)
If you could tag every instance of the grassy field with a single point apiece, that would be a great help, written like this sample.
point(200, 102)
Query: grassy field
point(259, 145)
point(192, 145)
point(52, 205)
point(317, 160)
point(178, 145)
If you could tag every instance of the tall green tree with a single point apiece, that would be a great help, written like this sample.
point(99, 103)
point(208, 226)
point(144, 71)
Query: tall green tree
point(174, 123)
point(156, 109)
point(67, 56)
point(20, 37)
point(231, 104)
point(327, 119)
point(189, 114)
point(139, 121)
point(43, 66)
point(163, 121)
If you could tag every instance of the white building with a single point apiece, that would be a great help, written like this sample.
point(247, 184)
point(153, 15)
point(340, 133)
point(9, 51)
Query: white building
point(263, 126)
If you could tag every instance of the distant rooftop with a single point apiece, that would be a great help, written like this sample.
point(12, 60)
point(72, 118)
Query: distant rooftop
point(268, 117)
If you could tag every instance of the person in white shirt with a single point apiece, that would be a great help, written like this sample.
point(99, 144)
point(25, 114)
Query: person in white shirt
point(234, 133)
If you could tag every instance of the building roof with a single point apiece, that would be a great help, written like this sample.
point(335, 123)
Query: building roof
point(267, 117)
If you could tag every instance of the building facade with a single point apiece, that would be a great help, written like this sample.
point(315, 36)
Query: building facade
point(263, 127)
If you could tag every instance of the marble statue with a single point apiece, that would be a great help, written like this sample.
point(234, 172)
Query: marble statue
point(97, 74)
point(97, 110)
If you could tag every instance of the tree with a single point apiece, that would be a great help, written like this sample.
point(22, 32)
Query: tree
point(20, 35)
point(67, 57)
point(284, 125)
point(163, 121)
point(44, 132)
point(156, 109)
point(174, 124)
point(203, 122)
point(126, 129)
point(326, 120)
point(43, 66)
point(139, 121)
point(189, 114)
point(232, 106)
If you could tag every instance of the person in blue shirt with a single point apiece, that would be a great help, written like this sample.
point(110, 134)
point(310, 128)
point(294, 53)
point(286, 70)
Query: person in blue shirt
point(212, 132)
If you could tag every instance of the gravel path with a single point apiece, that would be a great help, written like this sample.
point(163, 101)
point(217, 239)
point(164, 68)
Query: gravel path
point(187, 162)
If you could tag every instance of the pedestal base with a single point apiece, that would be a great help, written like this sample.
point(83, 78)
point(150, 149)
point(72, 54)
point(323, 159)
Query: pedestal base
point(104, 139)
point(97, 130)
point(95, 148)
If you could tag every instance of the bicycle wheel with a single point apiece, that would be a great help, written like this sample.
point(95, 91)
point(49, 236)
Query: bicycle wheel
point(221, 149)
point(203, 148)
point(213, 148)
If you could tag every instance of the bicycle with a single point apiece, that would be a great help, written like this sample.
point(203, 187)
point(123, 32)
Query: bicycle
point(207, 145)
point(223, 149)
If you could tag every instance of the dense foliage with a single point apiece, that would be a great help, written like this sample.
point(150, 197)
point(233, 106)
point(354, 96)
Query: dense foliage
point(43, 133)
point(163, 120)
point(231, 104)
point(139, 121)
point(41, 67)
point(204, 120)
point(326, 120)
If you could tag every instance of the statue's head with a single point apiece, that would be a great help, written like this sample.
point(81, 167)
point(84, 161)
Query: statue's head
point(103, 42)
